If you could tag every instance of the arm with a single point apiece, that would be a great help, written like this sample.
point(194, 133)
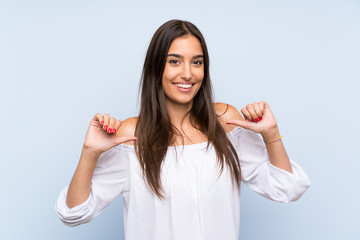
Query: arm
point(101, 174)
point(100, 137)
point(260, 119)
point(276, 150)
point(80, 185)
point(265, 168)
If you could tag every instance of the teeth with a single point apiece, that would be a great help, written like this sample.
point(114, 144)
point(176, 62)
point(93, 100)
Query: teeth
point(183, 85)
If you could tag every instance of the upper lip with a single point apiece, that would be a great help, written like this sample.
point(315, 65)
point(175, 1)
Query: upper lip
point(192, 83)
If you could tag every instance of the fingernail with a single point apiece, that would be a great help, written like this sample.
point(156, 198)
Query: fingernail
point(252, 120)
point(260, 118)
point(109, 130)
point(102, 123)
point(114, 130)
point(256, 119)
point(227, 123)
point(105, 127)
point(134, 139)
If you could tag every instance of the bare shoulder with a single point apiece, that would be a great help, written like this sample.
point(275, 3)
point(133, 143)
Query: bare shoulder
point(226, 112)
point(127, 128)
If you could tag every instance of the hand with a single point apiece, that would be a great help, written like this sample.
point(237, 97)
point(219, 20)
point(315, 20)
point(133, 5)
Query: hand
point(101, 136)
point(258, 118)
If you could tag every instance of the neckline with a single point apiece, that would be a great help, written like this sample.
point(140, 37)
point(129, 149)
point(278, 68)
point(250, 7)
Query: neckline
point(201, 145)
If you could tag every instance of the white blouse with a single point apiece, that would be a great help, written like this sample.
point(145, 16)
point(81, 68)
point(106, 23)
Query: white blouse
point(199, 205)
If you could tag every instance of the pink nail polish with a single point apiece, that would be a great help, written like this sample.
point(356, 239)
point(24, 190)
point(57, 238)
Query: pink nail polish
point(260, 118)
point(114, 130)
point(256, 119)
point(252, 120)
point(105, 127)
point(102, 123)
point(109, 130)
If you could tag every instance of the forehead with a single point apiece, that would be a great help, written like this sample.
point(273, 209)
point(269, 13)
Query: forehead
point(186, 45)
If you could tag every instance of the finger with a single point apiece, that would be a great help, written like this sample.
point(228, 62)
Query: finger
point(111, 125)
point(106, 121)
point(262, 105)
point(251, 110)
point(125, 139)
point(99, 118)
point(254, 115)
point(247, 114)
point(257, 111)
point(116, 126)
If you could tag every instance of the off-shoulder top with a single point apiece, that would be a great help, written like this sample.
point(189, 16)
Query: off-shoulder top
point(200, 203)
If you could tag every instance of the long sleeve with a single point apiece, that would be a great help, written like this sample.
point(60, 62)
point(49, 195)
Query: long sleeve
point(111, 177)
point(263, 177)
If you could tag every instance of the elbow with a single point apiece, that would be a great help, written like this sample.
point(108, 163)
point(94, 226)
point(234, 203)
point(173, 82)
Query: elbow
point(71, 223)
point(294, 192)
point(277, 184)
point(289, 187)
point(75, 215)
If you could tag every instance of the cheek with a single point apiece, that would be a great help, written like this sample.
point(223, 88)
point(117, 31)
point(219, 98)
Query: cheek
point(200, 75)
point(169, 74)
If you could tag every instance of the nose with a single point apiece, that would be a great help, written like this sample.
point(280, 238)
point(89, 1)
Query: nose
point(186, 72)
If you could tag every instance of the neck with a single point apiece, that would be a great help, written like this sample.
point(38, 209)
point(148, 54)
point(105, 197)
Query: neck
point(177, 113)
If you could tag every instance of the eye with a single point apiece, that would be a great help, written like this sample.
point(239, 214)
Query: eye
point(173, 61)
point(198, 62)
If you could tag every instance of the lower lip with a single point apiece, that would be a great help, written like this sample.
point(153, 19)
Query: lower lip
point(185, 90)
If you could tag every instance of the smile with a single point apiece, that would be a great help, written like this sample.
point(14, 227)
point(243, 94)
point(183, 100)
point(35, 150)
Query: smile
point(186, 86)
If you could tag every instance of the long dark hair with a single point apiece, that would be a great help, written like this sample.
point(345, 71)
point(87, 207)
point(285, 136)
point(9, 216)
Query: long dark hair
point(154, 129)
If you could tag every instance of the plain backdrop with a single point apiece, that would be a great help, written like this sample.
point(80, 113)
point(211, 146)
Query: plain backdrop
point(63, 61)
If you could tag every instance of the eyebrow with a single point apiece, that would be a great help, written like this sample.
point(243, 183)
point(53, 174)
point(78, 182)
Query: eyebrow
point(180, 56)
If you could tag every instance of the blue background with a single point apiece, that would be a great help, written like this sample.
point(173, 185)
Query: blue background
point(63, 61)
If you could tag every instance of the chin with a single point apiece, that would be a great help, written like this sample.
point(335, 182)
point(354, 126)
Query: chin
point(180, 101)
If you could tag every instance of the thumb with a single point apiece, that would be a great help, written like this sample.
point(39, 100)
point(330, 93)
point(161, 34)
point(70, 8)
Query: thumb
point(242, 123)
point(120, 140)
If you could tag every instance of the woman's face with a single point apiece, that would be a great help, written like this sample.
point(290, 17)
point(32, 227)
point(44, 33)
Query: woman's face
point(184, 70)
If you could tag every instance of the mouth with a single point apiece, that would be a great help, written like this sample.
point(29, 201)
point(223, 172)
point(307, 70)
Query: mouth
point(184, 87)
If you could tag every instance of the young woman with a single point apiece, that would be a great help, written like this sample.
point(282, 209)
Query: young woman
point(179, 164)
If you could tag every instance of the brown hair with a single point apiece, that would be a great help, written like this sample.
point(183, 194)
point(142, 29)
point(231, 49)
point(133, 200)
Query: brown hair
point(154, 129)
